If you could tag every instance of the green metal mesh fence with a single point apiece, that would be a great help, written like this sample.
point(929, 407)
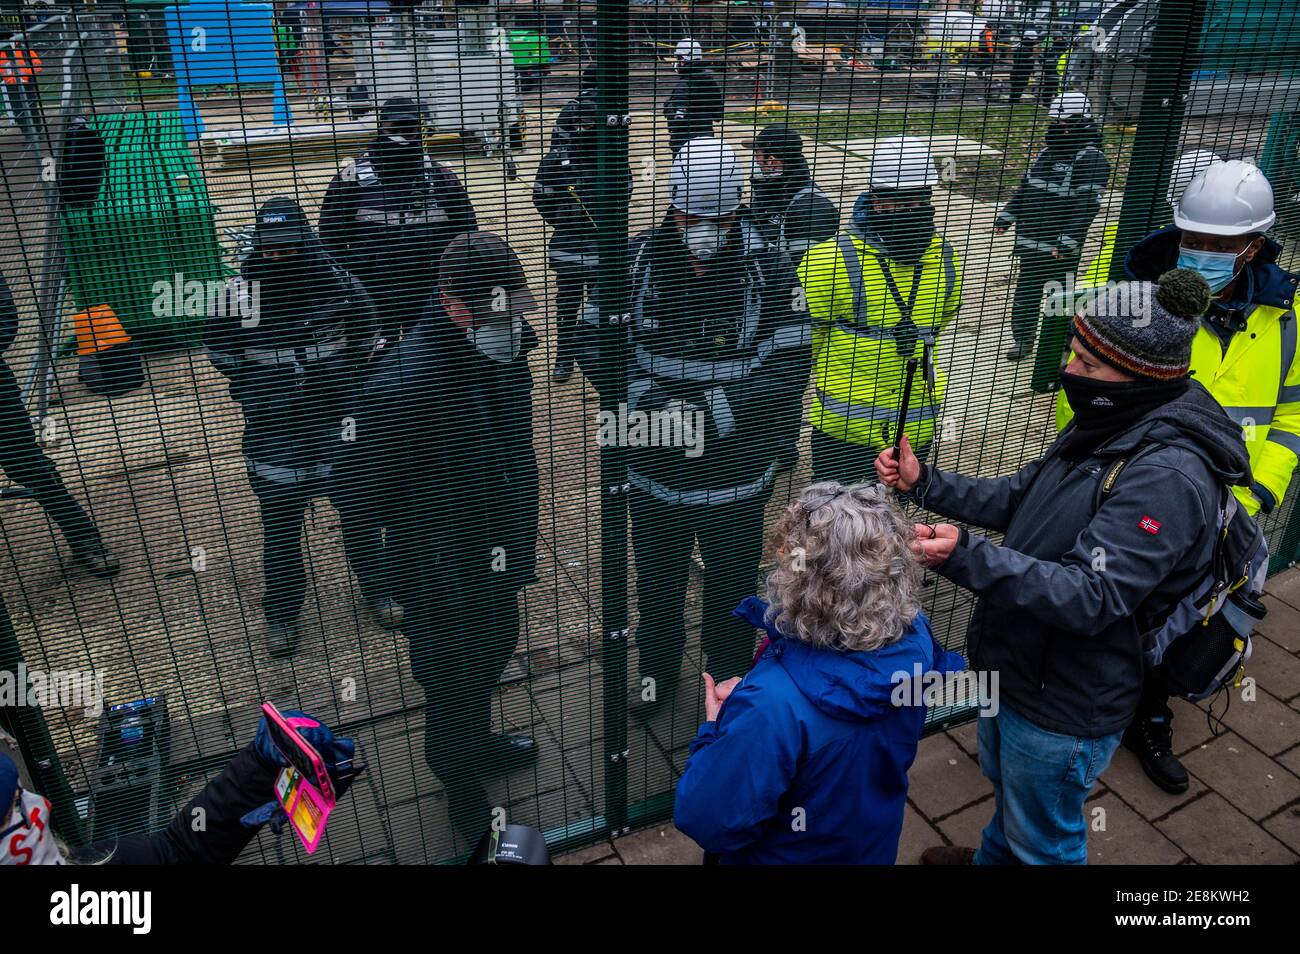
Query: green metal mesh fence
point(274, 475)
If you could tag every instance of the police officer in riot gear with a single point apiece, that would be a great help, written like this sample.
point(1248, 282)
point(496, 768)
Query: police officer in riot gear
point(388, 215)
point(292, 335)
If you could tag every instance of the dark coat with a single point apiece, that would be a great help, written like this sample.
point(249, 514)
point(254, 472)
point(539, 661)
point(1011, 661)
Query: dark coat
point(295, 369)
point(1064, 599)
point(444, 459)
point(694, 105)
point(731, 345)
point(1059, 196)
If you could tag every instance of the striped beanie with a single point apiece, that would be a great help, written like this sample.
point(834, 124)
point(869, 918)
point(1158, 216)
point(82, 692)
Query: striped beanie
point(1145, 328)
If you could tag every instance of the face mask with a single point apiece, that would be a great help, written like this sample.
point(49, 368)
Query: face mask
point(704, 240)
point(905, 234)
point(1217, 268)
point(498, 340)
point(27, 839)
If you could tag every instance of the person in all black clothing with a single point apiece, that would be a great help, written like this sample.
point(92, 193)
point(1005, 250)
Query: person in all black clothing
point(388, 215)
point(25, 463)
point(566, 195)
point(1052, 209)
point(292, 337)
point(786, 205)
point(695, 105)
point(721, 357)
point(444, 460)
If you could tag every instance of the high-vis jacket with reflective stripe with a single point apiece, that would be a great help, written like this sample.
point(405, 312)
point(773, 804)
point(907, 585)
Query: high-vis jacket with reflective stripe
point(1257, 378)
point(860, 351)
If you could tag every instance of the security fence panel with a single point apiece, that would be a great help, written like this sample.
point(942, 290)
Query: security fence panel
point(456, 373)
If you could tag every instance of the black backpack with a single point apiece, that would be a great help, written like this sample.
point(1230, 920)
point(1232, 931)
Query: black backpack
point(1203, 642)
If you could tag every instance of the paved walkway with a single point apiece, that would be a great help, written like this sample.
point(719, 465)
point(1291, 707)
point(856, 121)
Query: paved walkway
point(1243, 805)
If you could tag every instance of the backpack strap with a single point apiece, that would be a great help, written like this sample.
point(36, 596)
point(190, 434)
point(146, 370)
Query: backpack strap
point(1107, 484)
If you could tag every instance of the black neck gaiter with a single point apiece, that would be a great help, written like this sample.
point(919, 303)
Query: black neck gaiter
point(1104, 409)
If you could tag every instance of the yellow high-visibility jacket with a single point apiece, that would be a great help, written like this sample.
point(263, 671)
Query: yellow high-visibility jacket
point(1257, 381)
point(858, 362)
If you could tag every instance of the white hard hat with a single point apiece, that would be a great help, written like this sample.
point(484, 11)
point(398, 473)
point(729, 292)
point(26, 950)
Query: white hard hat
point(1070, 105)
point(1228, 198)
point(688, 49)
point(903, 162)
point(1185, 169)
point(706, 179)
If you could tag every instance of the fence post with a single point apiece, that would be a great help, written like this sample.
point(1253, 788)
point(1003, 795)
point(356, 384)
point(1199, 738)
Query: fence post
point(612, 298)
point(1175, 52)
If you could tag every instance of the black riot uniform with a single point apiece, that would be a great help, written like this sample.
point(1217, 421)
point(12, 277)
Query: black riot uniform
point(388, 215)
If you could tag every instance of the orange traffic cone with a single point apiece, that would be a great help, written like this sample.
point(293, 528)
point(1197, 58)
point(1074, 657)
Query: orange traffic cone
point(109, 360)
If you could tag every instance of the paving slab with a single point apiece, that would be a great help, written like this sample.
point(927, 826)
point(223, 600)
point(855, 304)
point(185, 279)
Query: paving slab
point(1265, 722)
point(1285, 586)
point(661, 845)
point(1117, 835)
point(917, 836)
point(1285, 827)
point(1282, 624)
point(944, 778)
point(1212, 832)
point(1127, 780)
point(966, 827)
point(1276, 668)
point(1239, 772)
point(590, 855)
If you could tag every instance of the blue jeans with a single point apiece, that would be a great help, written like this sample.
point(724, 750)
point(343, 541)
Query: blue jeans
point(1040, 781)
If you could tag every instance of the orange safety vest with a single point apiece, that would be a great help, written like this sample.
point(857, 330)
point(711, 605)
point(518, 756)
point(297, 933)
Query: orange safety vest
point(26, 64)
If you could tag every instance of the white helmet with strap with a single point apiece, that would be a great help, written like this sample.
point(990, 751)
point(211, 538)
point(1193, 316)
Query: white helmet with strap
point(1070, 105)
point(1228, 198)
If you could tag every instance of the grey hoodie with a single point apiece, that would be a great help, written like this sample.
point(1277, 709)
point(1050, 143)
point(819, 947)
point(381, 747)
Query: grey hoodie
point(1061, 598)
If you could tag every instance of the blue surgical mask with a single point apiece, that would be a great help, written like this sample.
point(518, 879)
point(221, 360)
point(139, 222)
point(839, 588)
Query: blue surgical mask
point(1217, 268)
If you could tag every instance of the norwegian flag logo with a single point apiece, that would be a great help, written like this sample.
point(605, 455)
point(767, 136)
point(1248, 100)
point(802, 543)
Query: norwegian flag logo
point(1149, 525)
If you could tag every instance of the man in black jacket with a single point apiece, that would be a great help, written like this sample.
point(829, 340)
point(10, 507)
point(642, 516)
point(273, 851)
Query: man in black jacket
point(721, 357)
point(695, 105)
point(23, 462)
point(566, 196)
point(788, 208)
point(292, 335)
point(388, 215)
point(1081, 575)
point(1052, 209)
point(444, 459)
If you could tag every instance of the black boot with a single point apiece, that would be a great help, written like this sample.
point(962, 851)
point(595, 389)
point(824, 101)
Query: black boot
point(1151, 739)
point(1020, 351)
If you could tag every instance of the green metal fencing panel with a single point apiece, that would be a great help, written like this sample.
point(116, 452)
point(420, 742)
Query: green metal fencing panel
point(489, 513)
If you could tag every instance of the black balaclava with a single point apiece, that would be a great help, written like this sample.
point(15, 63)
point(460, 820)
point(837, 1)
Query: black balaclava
point(397, 152)
point(903, 234)
point(1105, 409)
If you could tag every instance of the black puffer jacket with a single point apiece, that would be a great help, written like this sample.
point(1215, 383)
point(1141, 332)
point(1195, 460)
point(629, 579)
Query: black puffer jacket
point(444, 460)
point(294, 365)
point(1059, 195)
point(1060, 598)
point(694, 105)
point(566, 196)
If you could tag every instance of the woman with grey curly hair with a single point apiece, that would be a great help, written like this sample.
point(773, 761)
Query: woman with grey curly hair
point(805, 760)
